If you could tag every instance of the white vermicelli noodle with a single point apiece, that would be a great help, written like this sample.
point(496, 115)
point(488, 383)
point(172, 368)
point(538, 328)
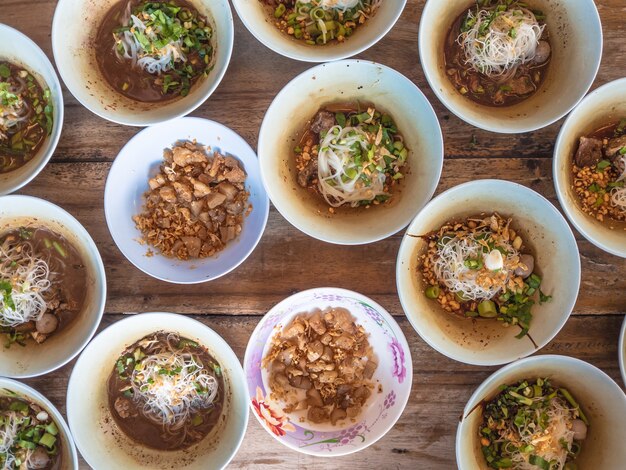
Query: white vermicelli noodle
point(495, 51)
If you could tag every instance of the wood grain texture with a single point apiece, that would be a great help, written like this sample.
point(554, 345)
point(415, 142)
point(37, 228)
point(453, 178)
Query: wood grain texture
point(424, 436)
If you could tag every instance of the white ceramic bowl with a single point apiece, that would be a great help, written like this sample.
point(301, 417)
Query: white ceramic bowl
point(23, 391)
point(350, 81)
point(100, 441)
point(74, 28)
point(256, 18)
point(382, 410)
point(21, 50)
point(576, 38)
point(621, 351)
point(543, 229)
point(602, 106)
point(601, 399)
point(128, 181)
point(59, 349)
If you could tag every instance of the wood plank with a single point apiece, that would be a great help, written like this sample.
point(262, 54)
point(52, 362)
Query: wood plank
point(280, 263)
point(425, 433)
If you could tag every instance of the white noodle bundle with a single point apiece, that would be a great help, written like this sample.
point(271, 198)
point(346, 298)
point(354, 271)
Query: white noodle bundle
point(29, 279)
point(510, 40)
point(449, 267)
point(168, 399)
point(339, 177)
point(618, 195)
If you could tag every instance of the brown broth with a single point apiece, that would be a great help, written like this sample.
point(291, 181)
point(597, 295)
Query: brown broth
point(134, 82)
point(495, 94)
point(19, 143)
point(68, 278)
point(145, 431)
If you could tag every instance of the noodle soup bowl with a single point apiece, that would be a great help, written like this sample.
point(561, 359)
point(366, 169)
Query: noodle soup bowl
point(600, 398)
point(603, 106)
point(74, 30)
point(103, 444)
point(17, 48)
point(392, 379)
point(576, 39)
point(544, 232)
point(259, 21)
point(350, 81)
point(15, 389)
point(59, 348)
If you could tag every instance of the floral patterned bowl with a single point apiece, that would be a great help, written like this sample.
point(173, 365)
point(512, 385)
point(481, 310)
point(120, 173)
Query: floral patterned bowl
point(381, 411)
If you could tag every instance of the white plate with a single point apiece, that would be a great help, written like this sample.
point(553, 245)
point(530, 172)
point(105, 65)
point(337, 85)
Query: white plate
point(128, 181)
point(100, 441)
point(622, 351)
point(381, 411)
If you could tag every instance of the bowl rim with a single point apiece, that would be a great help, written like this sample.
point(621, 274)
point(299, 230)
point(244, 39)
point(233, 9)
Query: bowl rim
point(556, 360)
point(622, 351)
point(101, 287)
point(57, 125)
point(572, 211)
point(430, 78)
point(228, 50)
point(405, 303)
point(156, 316)
point(28, 391)
point(384, 313)
point(265, 124)
point(329, 56)
point(110, 220)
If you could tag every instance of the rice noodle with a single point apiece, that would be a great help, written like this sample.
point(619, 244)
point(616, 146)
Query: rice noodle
point(29, 279)
point(335, 158)
point(153, 61)
point(618, 195)
point(8, 434)
point(170, 399)
point(496, 51)
point(449, 266)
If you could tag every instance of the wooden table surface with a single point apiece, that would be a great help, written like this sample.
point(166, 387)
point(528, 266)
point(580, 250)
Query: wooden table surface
point(280, 266)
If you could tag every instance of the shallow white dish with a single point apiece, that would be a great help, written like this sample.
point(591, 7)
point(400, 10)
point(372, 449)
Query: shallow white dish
point(350, 81)
point(70, 461)
point(17, 48)
point(128, 181)
point(601, 399)
point(382, 410)
point(576, 38)
point(256, 18)
point(100, 441)
point(602, 106)
point(543, 229)
point(59, 349)
point(74, 28)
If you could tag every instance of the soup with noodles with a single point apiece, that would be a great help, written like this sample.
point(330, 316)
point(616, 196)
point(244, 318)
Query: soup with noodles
point(29, 437)
point(166, 392)
point(498, 52)
point(154, 51)
point(351, 155)
point(25, 116)
point(320, 22)
point(43, 283)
